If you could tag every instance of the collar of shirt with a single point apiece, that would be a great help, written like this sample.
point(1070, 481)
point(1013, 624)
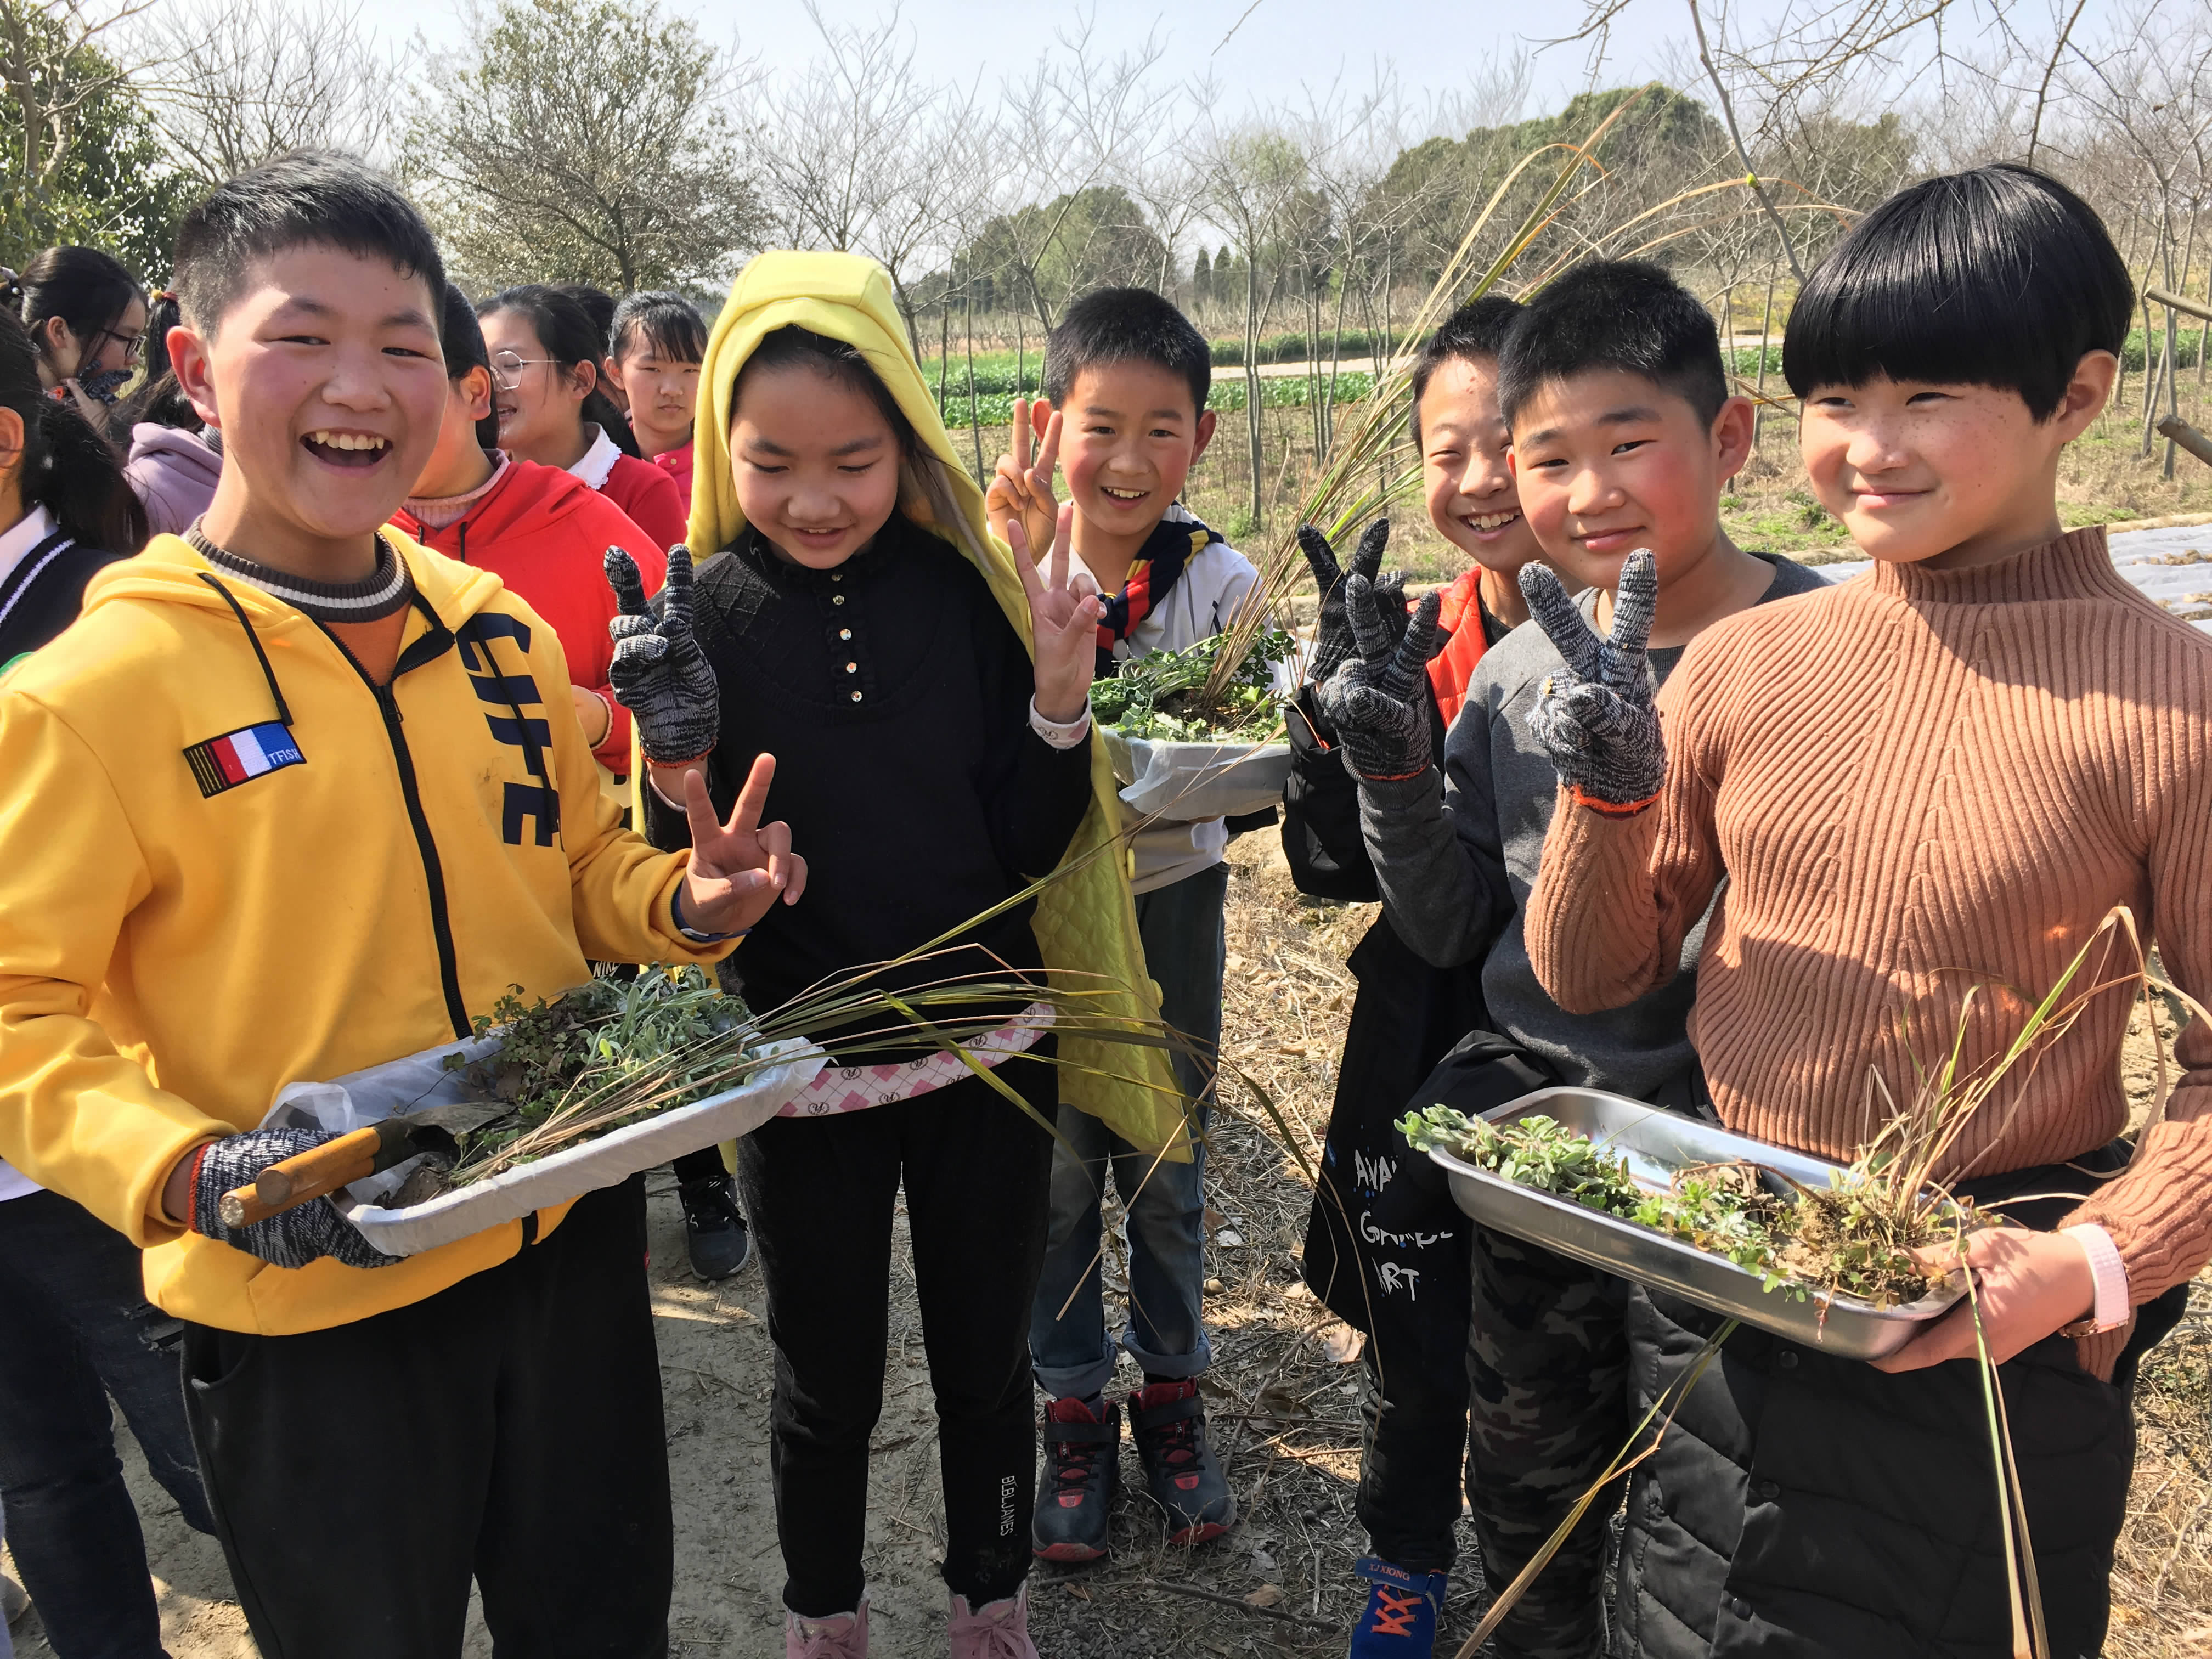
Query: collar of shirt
point(599, 460)
point(15, 543)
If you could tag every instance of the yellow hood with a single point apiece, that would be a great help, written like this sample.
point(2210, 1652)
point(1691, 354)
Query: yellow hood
point(1084, 921)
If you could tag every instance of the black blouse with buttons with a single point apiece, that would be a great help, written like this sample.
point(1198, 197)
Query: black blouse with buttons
point(895, 697)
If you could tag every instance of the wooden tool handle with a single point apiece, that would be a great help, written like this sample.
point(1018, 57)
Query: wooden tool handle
point(309, 1175)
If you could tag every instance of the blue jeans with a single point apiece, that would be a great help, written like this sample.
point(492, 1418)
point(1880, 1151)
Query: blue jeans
point(1185, 950)
point(74, 1329)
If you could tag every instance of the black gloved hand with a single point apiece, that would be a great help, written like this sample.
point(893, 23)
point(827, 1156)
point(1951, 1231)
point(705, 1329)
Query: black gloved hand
point(659, 673)
point(1597, 719)
point(1378, 702)
point(291, 1239)
point(1334, 643)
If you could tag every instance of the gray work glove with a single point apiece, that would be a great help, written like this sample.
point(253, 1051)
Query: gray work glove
point(1377, 703)
point(658, 672)
point(1333, 642)
point(1596, 718)
point(291, 1239)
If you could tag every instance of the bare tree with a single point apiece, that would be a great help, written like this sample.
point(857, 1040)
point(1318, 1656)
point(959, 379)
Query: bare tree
point(1253, 173)
point(859, 153)
point(1078, 122)
point(245, 80)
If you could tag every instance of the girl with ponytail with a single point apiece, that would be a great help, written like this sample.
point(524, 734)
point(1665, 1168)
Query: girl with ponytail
point(64, 509)
point(546, 354)
point(86, 316)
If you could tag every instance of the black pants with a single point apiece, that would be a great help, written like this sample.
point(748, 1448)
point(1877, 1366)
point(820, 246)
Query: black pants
point(821, 1193)
point(1803, 1506)
point(508, 1428)
point(74, 1329)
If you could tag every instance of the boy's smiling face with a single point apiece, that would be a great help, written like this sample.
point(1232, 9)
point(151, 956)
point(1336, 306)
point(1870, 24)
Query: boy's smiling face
point(1607, 461)
point(1129, 438)
point(326, 377)
point(1948, 474)
point(1466, 468)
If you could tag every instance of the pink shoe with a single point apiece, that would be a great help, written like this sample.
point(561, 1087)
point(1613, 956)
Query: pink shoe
point(843, 1635)
point(996, 1629)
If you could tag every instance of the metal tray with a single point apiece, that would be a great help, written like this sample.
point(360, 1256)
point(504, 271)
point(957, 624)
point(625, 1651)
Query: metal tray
point(1657, 1144)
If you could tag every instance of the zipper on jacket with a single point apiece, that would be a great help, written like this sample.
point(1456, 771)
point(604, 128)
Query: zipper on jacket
point(388, 706)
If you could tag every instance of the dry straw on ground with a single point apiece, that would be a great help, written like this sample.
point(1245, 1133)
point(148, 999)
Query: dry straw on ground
point(1284, 1397)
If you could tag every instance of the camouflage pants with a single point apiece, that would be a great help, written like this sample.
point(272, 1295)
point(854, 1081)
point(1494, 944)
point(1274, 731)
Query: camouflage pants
point(1548, 1364)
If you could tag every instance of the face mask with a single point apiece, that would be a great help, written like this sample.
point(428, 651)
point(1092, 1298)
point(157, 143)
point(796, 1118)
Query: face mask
point(104, 386)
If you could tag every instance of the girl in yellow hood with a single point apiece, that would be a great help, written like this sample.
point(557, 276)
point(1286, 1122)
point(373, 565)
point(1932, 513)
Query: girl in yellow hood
point(853, 623)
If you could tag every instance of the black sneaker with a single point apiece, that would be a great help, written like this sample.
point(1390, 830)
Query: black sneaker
point(1168, 1422)
point(715, 1230)
point(1075, 1493)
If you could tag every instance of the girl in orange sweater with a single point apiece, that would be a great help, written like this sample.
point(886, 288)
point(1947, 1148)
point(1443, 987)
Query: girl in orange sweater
point(1942, 774)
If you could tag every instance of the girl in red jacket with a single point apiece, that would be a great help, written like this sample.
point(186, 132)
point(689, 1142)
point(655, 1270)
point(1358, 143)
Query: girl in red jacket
point(658, 343)
point(545, 356)
point(540, 530)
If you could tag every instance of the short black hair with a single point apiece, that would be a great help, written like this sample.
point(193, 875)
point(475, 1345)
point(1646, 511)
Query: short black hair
point(461, 337)
point(1126, 324)
point(308, 198)
point(665, 323)
point(1998, 276)
point(1475, 332)
point(1623, 315)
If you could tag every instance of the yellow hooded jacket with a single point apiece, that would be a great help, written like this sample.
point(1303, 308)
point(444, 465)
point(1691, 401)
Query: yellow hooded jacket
point(1085, 922)
point(171, 953)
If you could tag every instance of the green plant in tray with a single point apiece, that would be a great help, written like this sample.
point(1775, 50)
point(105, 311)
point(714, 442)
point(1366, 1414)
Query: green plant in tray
point(1841, 1242)
point(1163, 694)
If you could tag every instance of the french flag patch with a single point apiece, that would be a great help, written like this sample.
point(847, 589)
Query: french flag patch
point(226, 761)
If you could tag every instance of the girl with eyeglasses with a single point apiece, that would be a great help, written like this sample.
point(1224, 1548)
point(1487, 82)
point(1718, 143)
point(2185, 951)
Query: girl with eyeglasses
point(545, 358)
point(87, 318)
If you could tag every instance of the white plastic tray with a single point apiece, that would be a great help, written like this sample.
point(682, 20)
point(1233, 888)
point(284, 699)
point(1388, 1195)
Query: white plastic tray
point(1189, 782)
point(611, 1158)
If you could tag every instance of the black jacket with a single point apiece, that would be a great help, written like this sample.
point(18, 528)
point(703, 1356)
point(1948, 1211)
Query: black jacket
point(42, 595)
point(895, 695)
point(1406, 1017)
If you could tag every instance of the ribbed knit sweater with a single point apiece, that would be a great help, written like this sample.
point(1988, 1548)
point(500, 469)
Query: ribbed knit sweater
point(1916, 782)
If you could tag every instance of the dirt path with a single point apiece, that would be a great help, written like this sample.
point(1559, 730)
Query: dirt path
point(1284, 1401)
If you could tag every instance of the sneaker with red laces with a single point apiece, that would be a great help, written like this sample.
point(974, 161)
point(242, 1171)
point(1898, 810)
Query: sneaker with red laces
point(843, 1635)
point(1075, 1492)
point(1400, 1619)
point(1168, 1422)
point(996, 1629)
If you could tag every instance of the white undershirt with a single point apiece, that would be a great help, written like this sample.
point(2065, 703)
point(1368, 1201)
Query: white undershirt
point(599, 460)
point(15, 543)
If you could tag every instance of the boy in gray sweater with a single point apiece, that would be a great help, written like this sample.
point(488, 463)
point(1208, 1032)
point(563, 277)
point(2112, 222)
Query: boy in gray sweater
point(1624, 434)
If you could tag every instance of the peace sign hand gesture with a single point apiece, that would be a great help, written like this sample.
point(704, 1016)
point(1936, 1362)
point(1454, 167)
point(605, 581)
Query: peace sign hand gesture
point(741, 867)
point(1021, 485)
point(1596, 719)
point(1377, 702)
point(659, 673)
point(1335, 644)
point(1064, 615)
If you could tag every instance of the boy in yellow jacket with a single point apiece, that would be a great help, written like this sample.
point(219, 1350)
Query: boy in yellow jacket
point(294, 798)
